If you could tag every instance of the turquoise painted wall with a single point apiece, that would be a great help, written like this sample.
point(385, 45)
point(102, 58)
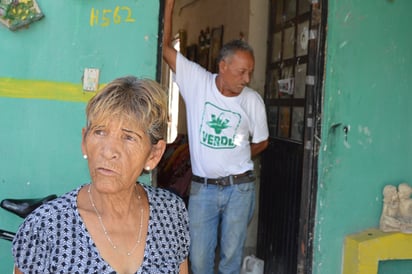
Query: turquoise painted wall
point(64, 42)
point(367, 89)
point(41, 98)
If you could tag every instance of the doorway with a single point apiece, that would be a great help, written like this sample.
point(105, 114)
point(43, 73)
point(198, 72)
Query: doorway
point(293, 95)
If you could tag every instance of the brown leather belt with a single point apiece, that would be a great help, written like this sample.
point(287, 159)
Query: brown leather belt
point(242, 178)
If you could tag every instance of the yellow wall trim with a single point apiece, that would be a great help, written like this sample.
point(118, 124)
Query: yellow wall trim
point(33, 89)
point(364, 250)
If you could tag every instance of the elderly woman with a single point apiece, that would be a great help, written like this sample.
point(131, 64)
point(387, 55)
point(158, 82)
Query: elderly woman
point(113, 224)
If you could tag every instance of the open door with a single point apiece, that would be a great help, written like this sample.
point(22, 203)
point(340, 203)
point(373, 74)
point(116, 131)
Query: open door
point(293, 93)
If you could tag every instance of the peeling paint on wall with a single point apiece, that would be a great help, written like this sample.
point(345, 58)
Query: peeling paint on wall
point(365, 132)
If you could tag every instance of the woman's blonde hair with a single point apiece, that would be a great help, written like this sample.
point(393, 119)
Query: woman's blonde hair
point(143, 101)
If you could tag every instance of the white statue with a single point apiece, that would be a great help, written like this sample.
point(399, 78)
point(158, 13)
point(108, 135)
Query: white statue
point(405, 207)
point(397, 209)
point(390, 212)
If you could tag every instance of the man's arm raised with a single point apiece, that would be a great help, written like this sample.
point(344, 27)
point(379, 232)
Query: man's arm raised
point(169, 53)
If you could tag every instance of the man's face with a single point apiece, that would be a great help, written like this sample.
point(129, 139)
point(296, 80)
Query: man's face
point(235, 72)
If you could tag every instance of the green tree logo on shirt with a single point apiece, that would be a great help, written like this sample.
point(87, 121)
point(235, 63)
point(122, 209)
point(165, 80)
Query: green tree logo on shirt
point(218, 127)
point(218, 124)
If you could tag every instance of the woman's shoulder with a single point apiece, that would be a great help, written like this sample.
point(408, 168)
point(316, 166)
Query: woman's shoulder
point(160, 192)
point(45, 218)
point(160, 195)
point(53, 208)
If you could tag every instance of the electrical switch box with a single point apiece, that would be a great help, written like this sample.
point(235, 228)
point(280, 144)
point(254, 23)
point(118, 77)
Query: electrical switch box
point(91, 79)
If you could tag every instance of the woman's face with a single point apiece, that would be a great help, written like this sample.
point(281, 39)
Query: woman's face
point(117, 152)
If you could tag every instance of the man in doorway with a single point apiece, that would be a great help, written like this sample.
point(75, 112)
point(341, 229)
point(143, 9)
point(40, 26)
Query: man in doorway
point(227, 126)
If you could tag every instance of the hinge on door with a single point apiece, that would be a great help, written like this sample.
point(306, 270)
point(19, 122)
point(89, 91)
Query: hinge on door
point(313, 33)
point(310, 80)
point(309, 122)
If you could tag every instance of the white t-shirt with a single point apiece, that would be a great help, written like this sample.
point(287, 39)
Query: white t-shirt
point(220, 128)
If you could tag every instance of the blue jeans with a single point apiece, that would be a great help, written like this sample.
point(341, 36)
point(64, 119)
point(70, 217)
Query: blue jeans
point(229, 208)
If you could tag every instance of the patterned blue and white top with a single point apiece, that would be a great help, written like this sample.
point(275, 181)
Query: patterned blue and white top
point(54, 238)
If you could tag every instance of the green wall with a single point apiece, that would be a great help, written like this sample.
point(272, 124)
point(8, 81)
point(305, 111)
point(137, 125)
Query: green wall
point(41, 98)
point(64, 42)
point(367, 89)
